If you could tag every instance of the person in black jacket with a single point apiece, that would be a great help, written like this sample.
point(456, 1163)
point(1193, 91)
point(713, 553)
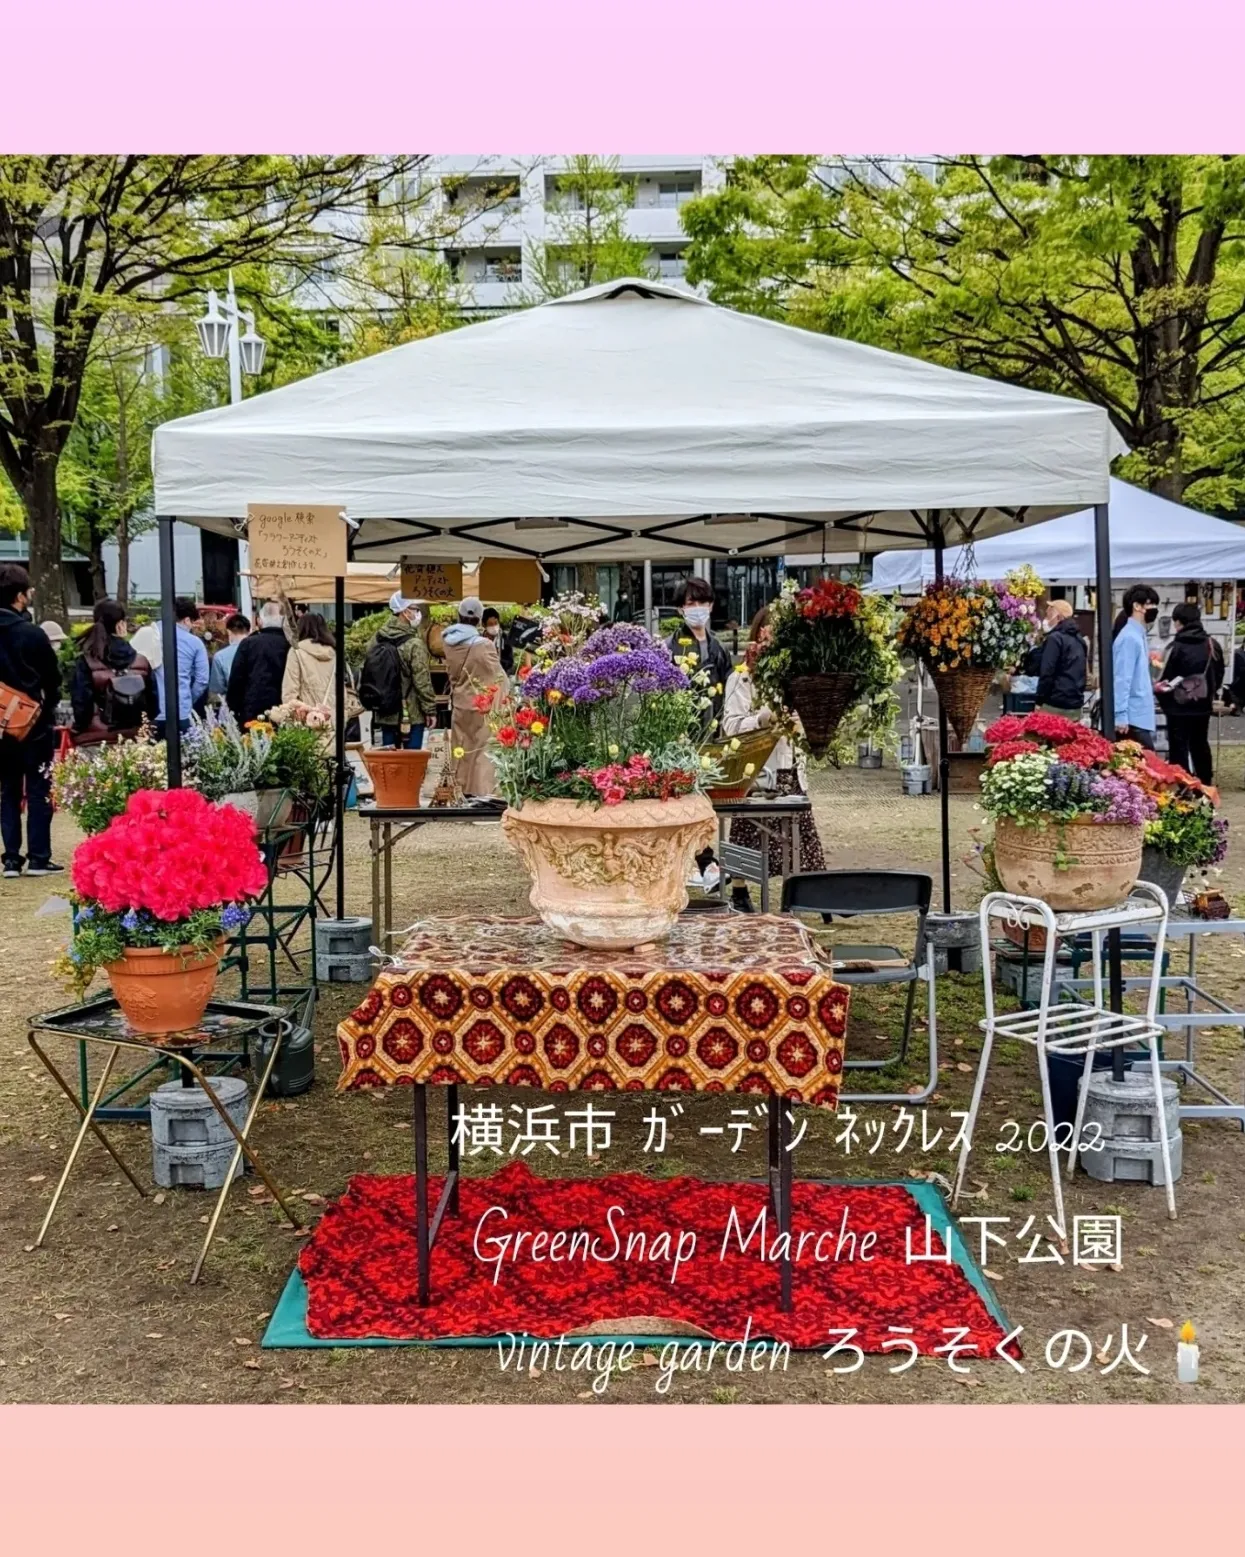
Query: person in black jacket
point(112, 688)
point(1192, 654)
point(1061, 669)
point(258, 667)
point(28, 664)
point(695, 638)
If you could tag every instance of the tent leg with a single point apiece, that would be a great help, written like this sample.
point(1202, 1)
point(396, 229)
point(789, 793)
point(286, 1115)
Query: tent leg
point(168, 633)
point(649, 624)
point(1106, 702)
point(339, 726)
point(944, 761)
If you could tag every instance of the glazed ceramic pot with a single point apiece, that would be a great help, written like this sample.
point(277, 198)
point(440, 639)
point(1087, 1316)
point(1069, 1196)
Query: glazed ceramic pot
point(1074, 866)
point(397, 775)
point(164, 992)
point(610, 877)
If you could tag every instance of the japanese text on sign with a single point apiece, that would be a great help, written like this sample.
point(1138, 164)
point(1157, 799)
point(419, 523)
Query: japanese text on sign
point(434, 581)
point(290, 542)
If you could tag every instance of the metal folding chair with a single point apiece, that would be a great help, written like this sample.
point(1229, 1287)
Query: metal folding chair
point(851, 894)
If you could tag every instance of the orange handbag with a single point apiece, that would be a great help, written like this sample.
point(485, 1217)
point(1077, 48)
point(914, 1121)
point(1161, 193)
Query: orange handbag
point(17, 712)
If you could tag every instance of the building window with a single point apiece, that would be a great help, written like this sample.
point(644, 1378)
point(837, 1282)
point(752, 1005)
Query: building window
point(671, 265)
point(503, 267)
point(676, 192)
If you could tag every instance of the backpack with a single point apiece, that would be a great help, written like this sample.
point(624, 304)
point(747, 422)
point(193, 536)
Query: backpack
point(380, 685)
point(120, 694)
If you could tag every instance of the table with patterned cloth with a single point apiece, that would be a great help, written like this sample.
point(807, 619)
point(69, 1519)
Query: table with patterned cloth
point(727, 1003)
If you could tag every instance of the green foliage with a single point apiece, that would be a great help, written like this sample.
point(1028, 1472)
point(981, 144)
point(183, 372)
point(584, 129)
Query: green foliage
point(94, 785)
point(1115, 279)
point(586, 231)
point(100, 937)
point(298, 762)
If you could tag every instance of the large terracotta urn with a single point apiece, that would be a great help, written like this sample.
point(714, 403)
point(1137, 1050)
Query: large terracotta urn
point(610, 877)
point(1074, 866)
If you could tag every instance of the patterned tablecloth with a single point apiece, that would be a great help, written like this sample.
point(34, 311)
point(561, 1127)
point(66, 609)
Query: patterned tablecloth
point(729, 1003)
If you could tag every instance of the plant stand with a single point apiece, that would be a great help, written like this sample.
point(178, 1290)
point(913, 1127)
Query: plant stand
point(1073, 1028)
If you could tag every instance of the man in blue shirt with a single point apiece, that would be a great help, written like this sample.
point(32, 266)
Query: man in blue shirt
point(238, 628)
point(192, 668)
point(1130, 660)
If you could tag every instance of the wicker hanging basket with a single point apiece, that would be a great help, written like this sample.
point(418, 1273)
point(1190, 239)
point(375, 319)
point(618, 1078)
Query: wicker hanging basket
point(821, 702)
point(961, 693)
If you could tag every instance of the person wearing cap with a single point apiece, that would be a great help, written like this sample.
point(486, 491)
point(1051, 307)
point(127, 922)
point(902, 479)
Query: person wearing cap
point(474, 667)
point(55, 634)
point(407, 696)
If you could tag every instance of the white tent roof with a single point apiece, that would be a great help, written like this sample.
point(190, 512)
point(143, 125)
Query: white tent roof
point(1151, 538)
point(638, 420)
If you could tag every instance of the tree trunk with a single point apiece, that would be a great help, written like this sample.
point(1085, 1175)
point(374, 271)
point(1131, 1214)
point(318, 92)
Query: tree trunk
point(43, 521)
point(123, 558)
point(95, 561)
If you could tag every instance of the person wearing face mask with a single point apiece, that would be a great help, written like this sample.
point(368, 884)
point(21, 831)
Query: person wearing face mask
point(491, 627)
point(1062, 666)
point(396, 681)
point(1130, 660)
point(694, 638)
point(1187, 690)
point(742, 713)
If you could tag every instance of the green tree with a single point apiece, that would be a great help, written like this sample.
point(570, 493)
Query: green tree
point(83, 237)
point(1117, 279)
point(586, 239)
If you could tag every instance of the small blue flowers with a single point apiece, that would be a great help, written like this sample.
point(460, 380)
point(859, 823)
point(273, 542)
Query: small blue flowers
point(83, 916)
point(130, 921)
point(233, 918)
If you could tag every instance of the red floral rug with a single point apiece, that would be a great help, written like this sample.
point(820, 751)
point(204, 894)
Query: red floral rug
point(621, 1239)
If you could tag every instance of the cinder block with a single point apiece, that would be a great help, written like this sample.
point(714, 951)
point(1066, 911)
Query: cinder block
point(190, 1143)
point(1127, 1114)
point(1138, 1162)
point(1026, 985)
point(345, 970)
point(343, 937)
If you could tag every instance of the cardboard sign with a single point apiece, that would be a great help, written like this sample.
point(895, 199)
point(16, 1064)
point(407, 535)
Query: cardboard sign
point(289, 541)
point(514, 579)
point(432, 581)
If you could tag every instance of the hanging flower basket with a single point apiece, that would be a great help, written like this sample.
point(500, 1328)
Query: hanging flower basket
point(961, 693)
point(821, 702)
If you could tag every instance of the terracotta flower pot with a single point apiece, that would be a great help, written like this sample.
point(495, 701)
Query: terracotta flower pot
point(397, 775)
point(610, 877)
point(164, 992)
point(1073, 866)
point(821, 702)
point(962, 692)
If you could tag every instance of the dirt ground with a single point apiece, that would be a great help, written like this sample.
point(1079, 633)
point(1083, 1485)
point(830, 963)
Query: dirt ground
point(104, 1312)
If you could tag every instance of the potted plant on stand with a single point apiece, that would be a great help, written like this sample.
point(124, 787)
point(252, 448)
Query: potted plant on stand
point(965, 631)
point(596, 757)
point(829, 651)
point(1069, 814)
point(155, 895)
point(226, 764)
point(1186, 833)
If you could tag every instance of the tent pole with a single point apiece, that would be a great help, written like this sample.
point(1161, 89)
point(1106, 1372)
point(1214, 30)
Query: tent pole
point(339, 743)
point(944, 761)
point(168, 634)
point(1106, 703)
point(648, 596)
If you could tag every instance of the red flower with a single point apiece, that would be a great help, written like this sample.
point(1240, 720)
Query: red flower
point(524, 717)
point(171, 853)
point(1052, 728)
point(507, 735)
point(524, 672)
point(1009, 728)
point(1005, 750)
point(1089, 750)
point(483, 701)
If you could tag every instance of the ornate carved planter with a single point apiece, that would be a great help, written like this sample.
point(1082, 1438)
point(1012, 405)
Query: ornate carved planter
point(1070, 865)
point(610, 877)
point(164, 992)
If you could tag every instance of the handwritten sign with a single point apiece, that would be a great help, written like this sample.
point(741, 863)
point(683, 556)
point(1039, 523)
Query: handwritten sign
point(433, 581)
point(289, 541)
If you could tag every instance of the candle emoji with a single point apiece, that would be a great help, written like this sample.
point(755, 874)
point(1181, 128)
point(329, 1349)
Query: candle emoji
point(1186, 1355)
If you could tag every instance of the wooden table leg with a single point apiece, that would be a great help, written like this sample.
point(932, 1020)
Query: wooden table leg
point(374, 826)
point(451, 1143)
point(780, 1186)
point(388, 926)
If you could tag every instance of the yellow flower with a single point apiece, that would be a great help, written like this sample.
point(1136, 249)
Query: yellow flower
point(734, 743)
point(459, 751)
point(554, 695)
point(611, 748)
point(538, 726)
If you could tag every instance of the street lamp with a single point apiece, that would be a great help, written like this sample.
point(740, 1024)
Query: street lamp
point(219, 337)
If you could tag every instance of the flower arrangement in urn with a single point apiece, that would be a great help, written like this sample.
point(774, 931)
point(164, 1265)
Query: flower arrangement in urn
point(596, 756)
point(155, 894)
point(965, 631)
point(828, 656)
point(1069, 810)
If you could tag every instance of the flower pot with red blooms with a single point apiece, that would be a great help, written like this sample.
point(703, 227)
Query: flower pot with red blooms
point(826, 659)
point(964, 631)
point(596, 756)
point(1070, 814)
point(156, 894)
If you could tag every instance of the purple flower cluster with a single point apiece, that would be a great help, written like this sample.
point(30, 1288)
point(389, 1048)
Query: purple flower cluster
point(1116, 800)
point(1221, 840)
point(633, 664)
point(1014, 606)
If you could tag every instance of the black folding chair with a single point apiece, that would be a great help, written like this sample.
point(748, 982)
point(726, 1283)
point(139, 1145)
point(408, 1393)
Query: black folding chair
point(851, 894)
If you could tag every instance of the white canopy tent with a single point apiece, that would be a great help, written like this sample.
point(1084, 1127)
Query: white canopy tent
point(1151, 538)
point(638, 421)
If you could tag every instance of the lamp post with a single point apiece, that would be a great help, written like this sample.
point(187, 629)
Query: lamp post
point(219, 337)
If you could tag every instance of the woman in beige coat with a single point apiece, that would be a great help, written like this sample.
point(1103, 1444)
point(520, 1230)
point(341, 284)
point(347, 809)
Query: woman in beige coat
point(311, 666)
point(473, 665)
